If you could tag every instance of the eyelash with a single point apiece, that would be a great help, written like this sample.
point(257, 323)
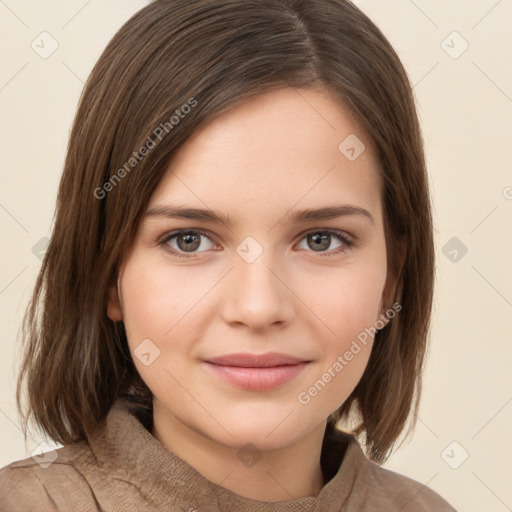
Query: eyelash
point(342, 237)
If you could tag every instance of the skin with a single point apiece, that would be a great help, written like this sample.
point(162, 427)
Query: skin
point(272, 154)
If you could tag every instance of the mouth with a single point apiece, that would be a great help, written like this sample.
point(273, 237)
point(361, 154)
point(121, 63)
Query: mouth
point(256, 372)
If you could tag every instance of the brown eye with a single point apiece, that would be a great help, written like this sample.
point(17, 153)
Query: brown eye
point(185, 241)
point(320, 242)
point(188, 242)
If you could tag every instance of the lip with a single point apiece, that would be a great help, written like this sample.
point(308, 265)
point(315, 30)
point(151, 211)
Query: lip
point(256, 372)
point(248, 360)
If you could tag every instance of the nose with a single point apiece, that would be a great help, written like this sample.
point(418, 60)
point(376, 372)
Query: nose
point(257, 295)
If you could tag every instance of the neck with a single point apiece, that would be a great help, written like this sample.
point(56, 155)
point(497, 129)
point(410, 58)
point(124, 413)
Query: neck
point(285, 473)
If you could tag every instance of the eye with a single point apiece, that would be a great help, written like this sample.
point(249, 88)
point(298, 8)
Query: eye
point(321, 240)
point(187, 241)
point(184, 243)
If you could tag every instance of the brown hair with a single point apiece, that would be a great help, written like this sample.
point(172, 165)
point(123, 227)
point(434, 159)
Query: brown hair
point(218, 53)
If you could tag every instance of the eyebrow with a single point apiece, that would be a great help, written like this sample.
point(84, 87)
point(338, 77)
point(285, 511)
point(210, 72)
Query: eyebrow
point(294, 217)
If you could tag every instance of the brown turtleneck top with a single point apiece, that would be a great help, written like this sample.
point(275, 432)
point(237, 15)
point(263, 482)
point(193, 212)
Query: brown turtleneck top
point(124, 468)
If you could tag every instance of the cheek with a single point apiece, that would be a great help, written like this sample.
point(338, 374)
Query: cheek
point(158, 305)
point(157, 302)
point(347, 303)
point(144, 304)
point(348, 308)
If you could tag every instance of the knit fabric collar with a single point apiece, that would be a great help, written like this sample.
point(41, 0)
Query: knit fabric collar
point(128, 451)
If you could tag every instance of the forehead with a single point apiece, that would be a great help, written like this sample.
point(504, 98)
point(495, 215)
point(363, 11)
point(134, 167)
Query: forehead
point(283, 148)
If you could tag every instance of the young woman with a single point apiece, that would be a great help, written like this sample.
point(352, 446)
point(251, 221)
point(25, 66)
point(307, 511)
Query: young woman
point(236, 297)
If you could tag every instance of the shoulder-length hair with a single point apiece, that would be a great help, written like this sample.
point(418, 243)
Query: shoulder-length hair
point(175, 65)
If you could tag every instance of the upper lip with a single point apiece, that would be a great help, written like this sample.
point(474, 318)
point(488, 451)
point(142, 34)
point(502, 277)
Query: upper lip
point(256, 360)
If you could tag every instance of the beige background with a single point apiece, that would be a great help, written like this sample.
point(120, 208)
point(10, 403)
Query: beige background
point(465, 105)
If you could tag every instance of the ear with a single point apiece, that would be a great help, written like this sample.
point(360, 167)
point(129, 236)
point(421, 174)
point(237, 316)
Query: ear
point(114, 309)
point(390, 287)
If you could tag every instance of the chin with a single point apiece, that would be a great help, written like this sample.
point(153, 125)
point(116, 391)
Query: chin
point(259, 442)
point(265, 436)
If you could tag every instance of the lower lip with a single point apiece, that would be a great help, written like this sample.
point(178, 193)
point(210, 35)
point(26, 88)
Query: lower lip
point(257, 379)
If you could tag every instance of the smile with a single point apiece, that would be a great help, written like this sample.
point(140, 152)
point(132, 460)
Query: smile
point(257, 378)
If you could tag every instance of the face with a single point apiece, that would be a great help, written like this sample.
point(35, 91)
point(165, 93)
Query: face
point(195, 289)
